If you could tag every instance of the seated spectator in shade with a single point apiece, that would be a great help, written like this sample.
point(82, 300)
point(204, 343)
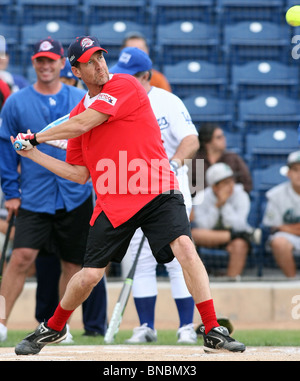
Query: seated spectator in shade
point(213, 150)
point(220, 217)
point(282, 216)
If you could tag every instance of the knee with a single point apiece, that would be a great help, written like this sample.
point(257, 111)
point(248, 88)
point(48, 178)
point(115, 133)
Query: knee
point(21, 259)
point(184, 249)
point(281, 243)
point(90, 277)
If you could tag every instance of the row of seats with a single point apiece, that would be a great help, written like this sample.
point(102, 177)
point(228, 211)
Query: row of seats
point(144, 11)
point(249, 115)
point(233, 81)
point(172, 43)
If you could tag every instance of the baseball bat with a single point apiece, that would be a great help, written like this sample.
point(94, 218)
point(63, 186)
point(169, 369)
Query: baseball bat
point(120, 306)
point(6, 241)
point(18, 144)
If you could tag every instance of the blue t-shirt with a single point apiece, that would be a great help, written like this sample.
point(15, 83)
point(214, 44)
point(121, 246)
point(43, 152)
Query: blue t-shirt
point(40, 190)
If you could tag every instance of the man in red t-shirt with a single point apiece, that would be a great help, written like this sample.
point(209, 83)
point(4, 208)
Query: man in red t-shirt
point(114, 138)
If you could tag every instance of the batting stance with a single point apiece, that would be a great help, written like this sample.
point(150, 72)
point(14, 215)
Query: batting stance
point(114, 138)
point(180, 139)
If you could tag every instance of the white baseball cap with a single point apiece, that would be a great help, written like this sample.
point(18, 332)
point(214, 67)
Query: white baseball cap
point(293, 158)
point(218, 172)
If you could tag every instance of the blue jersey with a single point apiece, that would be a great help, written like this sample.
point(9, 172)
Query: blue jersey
point(39, 189)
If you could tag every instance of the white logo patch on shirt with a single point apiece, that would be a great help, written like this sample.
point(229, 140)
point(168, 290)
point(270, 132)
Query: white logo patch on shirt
point(107, 98)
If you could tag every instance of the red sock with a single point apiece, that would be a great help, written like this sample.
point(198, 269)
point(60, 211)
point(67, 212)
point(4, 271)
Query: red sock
point(208, 315)
point(59, 318)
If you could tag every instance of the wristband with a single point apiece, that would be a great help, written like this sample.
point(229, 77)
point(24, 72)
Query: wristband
point(33, 141)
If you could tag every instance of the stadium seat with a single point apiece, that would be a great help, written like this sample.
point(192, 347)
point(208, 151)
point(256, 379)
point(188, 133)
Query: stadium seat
point(186, 40)
point(166, 11)
point(11, 43)
point(188, 77)
point(112, 33)
point(32, 11)
point(8, 12)
point(234, 142)
point(264, 111)
point(269, 146)
point(231, 11)
point(257, 77)
point(61, 30)
point(108, 10)
point(254, 40)
point(210, 109)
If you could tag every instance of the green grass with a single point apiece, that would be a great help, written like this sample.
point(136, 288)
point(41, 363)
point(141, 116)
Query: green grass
point(168, 337)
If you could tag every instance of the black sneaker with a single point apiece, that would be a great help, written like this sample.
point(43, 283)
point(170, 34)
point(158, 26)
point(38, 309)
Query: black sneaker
point(35, 341)
point(218, 340)
point(223, 321)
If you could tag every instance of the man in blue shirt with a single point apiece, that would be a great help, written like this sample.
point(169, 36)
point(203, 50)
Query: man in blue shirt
point(51, 212)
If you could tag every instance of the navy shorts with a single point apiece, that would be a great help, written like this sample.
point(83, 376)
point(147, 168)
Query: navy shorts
point(162, 220)
point(64, 233)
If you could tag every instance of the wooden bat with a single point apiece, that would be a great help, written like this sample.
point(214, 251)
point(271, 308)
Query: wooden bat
point(6, 241)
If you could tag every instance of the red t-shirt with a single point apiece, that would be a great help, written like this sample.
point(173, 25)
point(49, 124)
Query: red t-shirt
point(125, 154)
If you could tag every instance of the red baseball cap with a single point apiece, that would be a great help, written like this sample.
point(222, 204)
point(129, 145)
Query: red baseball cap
point(48, 48)
point(82, 49)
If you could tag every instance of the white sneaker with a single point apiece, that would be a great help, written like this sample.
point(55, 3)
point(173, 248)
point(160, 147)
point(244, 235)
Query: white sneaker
point(142, 334)
point(3, 332)
point(69, 337)
point(187, 334)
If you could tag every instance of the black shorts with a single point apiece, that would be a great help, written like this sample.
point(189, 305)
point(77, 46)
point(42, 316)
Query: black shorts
point(64, 233)
point(162, 220)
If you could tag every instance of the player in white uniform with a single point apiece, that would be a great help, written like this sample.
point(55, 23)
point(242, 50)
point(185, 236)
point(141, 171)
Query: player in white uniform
point(180, 139)
point(282, 215)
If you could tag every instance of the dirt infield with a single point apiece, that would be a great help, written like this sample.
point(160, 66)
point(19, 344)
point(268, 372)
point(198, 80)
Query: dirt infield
point(124, 353)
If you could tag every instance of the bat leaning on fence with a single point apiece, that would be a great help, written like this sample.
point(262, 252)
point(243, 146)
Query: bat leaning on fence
point(121, 304)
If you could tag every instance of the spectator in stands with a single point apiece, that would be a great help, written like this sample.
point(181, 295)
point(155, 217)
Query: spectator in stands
point(213, 150)
point(282, 217)
point(14, 81)
point(51, 208)
point(220, 217)
point(137, 40)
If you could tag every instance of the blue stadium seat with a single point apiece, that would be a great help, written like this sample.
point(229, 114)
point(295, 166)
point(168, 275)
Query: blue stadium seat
point(8, 12)
point(165, 11)
point(112, 33)
point(189, 77)
point(97, 12)
point(210, 109)
point(234, 142)
point(60, 30)
point(186, 40)
point(32, 11)
point(264, 111)
point(12, 42)
point(257, 77)
point(256, 40)
point(269, 146)
point(231, 11)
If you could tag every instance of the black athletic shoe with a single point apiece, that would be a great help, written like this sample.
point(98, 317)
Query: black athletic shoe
point(223, 321)
point(218, 340)
point(35, 341)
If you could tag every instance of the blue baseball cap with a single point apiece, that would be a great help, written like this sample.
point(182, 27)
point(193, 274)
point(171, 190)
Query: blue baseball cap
point(131, 61)
point(82, 49)
point(67, 71)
